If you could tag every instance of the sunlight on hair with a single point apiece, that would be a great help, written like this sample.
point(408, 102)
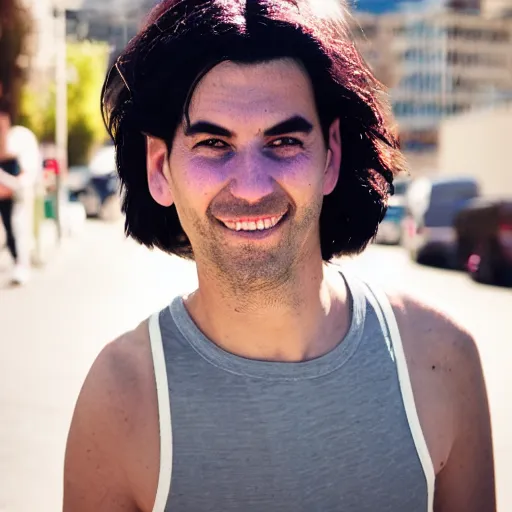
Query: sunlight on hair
point(330, 9)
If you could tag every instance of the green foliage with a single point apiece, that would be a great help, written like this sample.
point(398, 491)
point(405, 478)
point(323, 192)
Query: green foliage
point(34, 113)
point(87, 64)
point(88, 61)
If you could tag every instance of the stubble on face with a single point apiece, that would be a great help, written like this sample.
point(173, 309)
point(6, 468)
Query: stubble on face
point(289, 181)
point(251, 270)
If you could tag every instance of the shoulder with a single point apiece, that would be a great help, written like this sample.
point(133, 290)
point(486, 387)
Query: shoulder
point(434, 336)
point(445, 372)
point(120, 388)
point(120, 370)
point(123, 361)
point(117, 386)
point(113, 439)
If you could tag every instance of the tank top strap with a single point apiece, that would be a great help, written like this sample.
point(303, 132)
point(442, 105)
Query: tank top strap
point(164, 414)
point(358, 294)
point(392, 333)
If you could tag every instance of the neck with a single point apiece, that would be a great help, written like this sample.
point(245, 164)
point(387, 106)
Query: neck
point(302, 317)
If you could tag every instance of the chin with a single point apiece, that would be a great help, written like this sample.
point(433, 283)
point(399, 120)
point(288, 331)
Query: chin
point(254, 267)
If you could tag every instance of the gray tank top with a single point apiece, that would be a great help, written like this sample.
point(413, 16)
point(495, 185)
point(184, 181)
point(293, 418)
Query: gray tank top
point(336, 434)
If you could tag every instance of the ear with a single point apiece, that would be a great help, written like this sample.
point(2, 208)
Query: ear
point(332, 169)
point(158, 171)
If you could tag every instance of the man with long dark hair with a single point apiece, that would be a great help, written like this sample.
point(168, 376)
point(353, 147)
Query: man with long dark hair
point(252, 138)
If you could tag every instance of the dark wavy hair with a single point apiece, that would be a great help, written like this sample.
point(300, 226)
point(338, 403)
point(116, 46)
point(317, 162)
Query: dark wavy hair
point(148, 91)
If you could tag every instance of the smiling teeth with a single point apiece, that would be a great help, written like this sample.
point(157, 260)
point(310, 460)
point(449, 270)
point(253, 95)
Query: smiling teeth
point(259, 225)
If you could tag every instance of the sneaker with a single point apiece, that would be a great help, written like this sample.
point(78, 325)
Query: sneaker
point(20, 275)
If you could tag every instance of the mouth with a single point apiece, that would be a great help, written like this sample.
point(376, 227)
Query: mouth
point(260, 224)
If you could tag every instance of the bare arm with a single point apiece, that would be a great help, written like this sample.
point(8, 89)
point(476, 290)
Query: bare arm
point(9, 181)
point(467, 481)
point(95, 473)
point(451, 399)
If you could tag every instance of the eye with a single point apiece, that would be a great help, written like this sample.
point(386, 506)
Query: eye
point(212, 143)
point(285, 142)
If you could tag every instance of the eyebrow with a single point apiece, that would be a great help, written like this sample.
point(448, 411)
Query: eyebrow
point(204, 127)
point(296, 124)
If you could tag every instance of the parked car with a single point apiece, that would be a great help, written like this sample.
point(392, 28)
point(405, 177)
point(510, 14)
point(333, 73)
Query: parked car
point(390, 231)
point(428, 232)
point(78, 178)
point(96, 186)
point(484, 233)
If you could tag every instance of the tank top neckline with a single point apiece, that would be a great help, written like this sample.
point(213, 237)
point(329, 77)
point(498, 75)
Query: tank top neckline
point(270, 370)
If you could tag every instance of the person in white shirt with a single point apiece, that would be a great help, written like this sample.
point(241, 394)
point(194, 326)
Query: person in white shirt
point(17, 190)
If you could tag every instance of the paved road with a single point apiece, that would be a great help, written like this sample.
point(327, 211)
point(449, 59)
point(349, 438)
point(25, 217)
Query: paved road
point(99, 285)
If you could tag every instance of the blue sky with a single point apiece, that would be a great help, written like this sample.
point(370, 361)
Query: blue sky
point(379, 6)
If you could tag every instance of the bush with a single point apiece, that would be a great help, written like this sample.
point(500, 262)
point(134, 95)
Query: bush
point(87, 64)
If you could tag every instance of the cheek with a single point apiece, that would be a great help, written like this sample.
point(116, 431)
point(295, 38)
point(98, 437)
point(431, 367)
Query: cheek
point(302, 175)
point(196, 181)
point(207, 172)
point(204, 179)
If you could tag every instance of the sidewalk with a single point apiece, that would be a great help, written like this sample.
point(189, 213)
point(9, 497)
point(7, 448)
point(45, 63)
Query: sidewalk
point(48, 243)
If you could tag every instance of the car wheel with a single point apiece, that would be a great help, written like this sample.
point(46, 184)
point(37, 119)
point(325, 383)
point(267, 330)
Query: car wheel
point(91, 202)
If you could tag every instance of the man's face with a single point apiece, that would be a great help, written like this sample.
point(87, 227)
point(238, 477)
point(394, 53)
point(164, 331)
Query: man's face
point(249, 174)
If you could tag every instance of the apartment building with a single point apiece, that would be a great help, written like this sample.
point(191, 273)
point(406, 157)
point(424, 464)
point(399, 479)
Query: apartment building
point(112, 21)
point(41, 40)
point(478, 144)
point(44, 37)
point(115, 22)
point(497, 8)
point(437, 64)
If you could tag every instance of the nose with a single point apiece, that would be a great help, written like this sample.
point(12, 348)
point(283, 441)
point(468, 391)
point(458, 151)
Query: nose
point(252, 179)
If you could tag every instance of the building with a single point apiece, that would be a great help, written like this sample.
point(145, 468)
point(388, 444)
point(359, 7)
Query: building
point(436, 65)
point(42, 39)
point(114, 22)
point(497, 8)
point(45, 36)
point(478, 144)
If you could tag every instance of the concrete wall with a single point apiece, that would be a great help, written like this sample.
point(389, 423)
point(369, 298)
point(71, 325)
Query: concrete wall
point(479, 144)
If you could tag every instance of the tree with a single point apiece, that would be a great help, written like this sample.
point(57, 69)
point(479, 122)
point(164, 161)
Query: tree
point(15, 28)
point(87, 65)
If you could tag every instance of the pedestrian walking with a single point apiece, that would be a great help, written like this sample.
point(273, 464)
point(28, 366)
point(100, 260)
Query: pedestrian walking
point(10, 170)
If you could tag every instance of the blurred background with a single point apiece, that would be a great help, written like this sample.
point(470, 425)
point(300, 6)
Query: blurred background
point(447, 236)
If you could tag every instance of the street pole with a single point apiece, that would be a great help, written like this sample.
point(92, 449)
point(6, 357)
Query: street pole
point(61, 117)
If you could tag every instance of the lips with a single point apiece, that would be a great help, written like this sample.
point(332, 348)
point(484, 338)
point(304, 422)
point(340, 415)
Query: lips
point(252, 219)
point(259, 224)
